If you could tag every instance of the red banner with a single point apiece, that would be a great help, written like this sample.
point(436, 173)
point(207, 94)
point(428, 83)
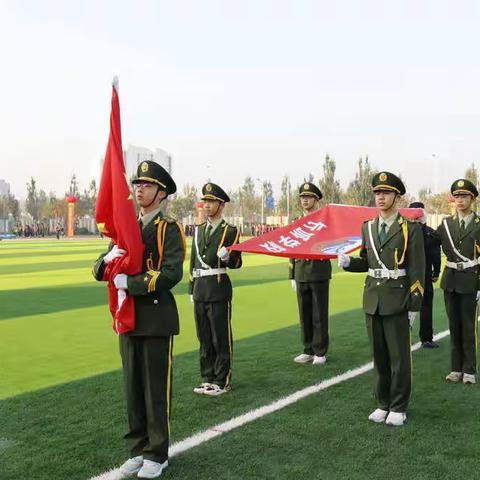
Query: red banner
point(324, 233)
point(116, 218)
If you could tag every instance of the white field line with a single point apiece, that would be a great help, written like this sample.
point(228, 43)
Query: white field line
point(236, 422)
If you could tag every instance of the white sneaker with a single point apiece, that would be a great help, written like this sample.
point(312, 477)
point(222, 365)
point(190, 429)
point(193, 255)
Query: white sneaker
point(378, 415)
point(469, 378)
point(201, 388)
point(213, 390)
point(396, 419)
point(303, 358)
point(152, 469)
point(454, 377)
point(131, 466)
point(319, 360)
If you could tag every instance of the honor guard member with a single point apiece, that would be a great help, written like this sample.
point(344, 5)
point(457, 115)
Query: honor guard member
point(147, 350)
point(311, 279)
point(211, 292)
point(431, 242)
point(460, 236)
point(393, 255)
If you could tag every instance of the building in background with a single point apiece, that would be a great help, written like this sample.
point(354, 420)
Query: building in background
point(4, 188)
point(133, 156)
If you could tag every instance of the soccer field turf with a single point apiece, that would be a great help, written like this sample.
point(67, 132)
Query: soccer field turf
point(61, 406)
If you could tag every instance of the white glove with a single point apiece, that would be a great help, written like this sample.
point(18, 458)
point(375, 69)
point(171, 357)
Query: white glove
point(294, 285)
point(191, 298)
point(120, 281)
point(411, 318)
point(121, 297)
point(114, 253)
point(478, 295)
point(223, 254)
point(343, 260)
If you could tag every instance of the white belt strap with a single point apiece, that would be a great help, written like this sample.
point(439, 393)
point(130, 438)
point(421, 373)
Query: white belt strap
point(372, 243)
point(461, 265)
point(381, 273)
point(199, 257)
point(200, 272)
point(459, 255)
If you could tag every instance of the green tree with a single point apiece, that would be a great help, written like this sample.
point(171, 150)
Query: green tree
point(424, 195)
point(359, 191)
point(249, 203)
point(54, 208)
point(73, 189)
point(32, 204)
point(329, 185)
point(286, 189)
point(13, 206)
point(472, 174)
point(233, 208)
point(182, 204)
point(309, 178)
point(88, 199)
point(439, 203)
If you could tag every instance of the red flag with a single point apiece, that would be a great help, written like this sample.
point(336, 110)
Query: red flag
point(116, 219)
point(324, 233)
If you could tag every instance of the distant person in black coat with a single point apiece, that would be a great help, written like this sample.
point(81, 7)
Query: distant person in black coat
point(432, 272)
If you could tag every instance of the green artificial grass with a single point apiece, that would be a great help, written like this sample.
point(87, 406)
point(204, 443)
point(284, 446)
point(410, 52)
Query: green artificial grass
point(62, 414)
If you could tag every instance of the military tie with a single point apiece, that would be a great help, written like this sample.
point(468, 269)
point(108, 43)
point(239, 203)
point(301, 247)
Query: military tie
point(462, 227)
point(208, 231)
point(383, 232)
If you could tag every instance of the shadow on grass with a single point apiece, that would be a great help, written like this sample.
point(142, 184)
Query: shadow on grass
point(44, 267)
point(74, 430)
point(57, 252)
point(35, 301)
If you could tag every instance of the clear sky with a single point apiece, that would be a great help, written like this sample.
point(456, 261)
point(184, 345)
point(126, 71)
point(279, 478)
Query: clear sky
point(236, 88)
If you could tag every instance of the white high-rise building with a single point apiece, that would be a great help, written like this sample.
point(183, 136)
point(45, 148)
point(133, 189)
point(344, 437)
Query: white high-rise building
point(133, 156)
point(4, 188)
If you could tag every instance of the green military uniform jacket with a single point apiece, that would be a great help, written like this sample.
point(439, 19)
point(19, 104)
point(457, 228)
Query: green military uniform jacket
point(302, 270)
point(155, 308)
point(214, 288)
point(403, 249)
point(468, 244)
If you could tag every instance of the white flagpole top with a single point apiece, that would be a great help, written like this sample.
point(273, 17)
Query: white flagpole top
point(115, 82)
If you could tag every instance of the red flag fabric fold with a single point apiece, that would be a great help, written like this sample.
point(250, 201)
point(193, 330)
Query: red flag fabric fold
point(324, 233)
point(116, 218)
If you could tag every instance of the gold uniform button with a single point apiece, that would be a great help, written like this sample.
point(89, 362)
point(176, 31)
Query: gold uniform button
point(378, 283)
point(155, 301)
